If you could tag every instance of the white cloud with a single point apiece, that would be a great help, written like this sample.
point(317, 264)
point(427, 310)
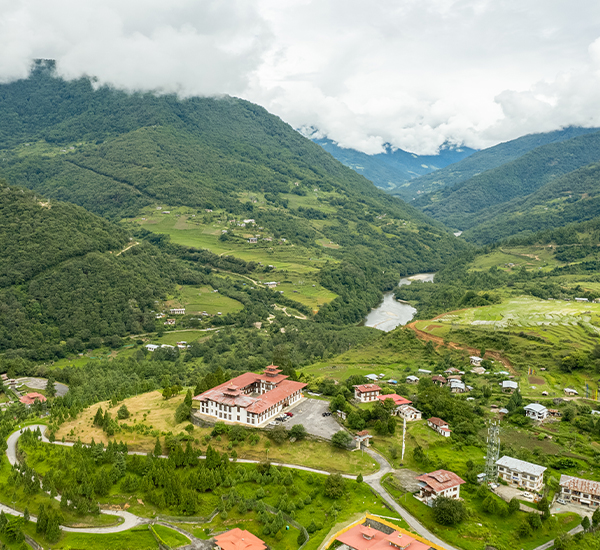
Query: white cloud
point(413, 73)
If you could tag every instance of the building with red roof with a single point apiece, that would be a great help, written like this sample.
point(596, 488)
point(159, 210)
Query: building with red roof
point(238, 539)
point(398, 399)
point(364, 537)
point(250, 398)
point(30, 398)
point(366, 392)
point(439, 425)
point(439, 483)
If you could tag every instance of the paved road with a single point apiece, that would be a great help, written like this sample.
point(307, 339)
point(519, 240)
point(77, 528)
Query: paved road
point(550, 544)
point(41, 383)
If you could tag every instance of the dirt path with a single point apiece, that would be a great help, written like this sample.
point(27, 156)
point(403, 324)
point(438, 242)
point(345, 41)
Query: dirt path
point(127, 248)
point(284, 309)
point(439, 341)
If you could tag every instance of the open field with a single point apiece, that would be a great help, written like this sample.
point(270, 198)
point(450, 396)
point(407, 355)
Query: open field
point(197, 299)
point(170, 537)
point(139, 538)
point(507, 258)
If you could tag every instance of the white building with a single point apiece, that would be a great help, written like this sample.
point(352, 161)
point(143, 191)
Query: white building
point(580, 491)
point(152, 347)
point(439, 425)
point(412, 379)
point(536, 411)
point(509, 386)
point(177, 311)
point(439, 483)
point(366, 392)
point(250, 398)
point(408, 412)
point(475, 361)
point(521, 473)
point(570, 391)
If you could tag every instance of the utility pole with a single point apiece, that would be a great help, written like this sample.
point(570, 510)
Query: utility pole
point(493, 452)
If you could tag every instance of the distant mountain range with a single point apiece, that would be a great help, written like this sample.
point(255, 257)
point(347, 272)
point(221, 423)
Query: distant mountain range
point(394, 169)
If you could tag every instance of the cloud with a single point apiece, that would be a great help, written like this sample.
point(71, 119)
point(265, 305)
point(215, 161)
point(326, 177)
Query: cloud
point(412, 73)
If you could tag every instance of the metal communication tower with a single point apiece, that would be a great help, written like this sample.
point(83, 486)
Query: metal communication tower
point(493, 452)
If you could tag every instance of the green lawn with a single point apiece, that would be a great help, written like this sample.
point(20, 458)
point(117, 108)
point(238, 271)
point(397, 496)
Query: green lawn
point(197, 299)
point(138, 538)
point(170, 537)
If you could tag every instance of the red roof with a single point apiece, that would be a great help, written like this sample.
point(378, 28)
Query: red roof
point(582, 485)
point(438, 378)
point(438, 422)
point(441, 480)
point(283, 390)
point(236, 539)
point(31, 398)
point(362, 537)
point(362, 388)
point(398, 399)
point(363, 433)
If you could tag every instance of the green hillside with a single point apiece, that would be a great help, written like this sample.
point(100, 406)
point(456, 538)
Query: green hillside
point(482, 161)
point(466, 205)
point(123, 155)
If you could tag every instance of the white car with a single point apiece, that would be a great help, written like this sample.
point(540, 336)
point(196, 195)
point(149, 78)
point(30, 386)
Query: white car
point(561, 501)
point(527, 495)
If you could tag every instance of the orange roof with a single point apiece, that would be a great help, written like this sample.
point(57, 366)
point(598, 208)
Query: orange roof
point(438, 422)
point(362, 388)
point(398, 399)
point(32, 397)
point(577, 484)
point(362, 537)
point(441, 480)
point(238, 539)
point(283, 390)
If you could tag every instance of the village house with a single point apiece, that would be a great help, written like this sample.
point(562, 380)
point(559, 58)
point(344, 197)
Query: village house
point(536, 411)
point(580, 491)
point(152, 347)
point(452, 370)
point(439, 425)
point(570, 391)
point(366, 392)
point(252, 240)
point(521, 473)
point(31, 397)
point(170, 322)
point(475, 361)
point(581, 300)
point(478, 370)
point(423, 371)
point(238, 539)
point(556, 413)
point(509, 386)
point(272, 284)
point(408, 412)
point(397, 399)
point(364, 537)
point(440, 483)
point(372, 377)
point(177, 311)
point(454, 377)
point(412, 379)
point(250, 398)
point(456, 386)
point(439, 380)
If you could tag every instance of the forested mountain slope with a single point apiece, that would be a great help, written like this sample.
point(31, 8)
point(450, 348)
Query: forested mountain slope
point(62, 275)
point(392, 169)
point(117, 154)
point(469, 203)
point(484, 160)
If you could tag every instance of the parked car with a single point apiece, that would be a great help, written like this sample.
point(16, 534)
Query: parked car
point(526, 495)
point(290, 414)
point(561, 501)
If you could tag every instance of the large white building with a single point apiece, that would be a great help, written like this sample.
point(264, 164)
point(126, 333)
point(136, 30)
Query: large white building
point(536, 411)
point(251, 398)
point(521, 473)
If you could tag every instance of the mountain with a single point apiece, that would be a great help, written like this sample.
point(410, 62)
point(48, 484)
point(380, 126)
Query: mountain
point(484, 160)
point(395, 168)
point(69, 275)
point(120, 154)
point(488, 196)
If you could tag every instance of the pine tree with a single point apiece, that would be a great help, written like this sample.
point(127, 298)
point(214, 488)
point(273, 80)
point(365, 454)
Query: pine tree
point(99, 418)
point(53, 529)
point(157, 448)
point(42, 520)
point(50, 389)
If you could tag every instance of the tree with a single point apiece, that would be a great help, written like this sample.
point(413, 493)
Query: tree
point(157, 448)
point(596, 517)
point(298, 432)
point(99, 418)
point(534, 520)
point(341, 439)
point(50, 388)
point(514, 505)
point(278, 434)
point(563, 542)
point(490, 505)
point(301, 538)
point(123, 412)
point(359, 478)
point(585, 523)
point(334, 486)
point(419, 454)
point(448, 511)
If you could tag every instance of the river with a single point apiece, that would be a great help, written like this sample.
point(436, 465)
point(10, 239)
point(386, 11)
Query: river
point(391, 313)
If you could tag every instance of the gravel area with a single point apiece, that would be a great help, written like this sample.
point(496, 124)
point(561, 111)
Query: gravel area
point(309, 413)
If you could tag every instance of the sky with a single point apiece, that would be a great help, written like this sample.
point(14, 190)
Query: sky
point(415, 74)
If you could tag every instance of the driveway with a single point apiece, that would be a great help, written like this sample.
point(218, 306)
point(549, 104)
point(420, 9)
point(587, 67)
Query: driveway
point(572, 507)
point(41, 383)
point(309, 413)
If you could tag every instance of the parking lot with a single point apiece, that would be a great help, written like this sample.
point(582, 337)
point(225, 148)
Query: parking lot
point(309, 413)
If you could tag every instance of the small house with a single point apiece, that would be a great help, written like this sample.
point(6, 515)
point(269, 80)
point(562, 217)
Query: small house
point(372, 377)
point(570, 391)
point(170, 322)
point(439, 425)
point(478, 370)
point(581, 300)
point(475, 361)
point(456, 386)
point(366, 392)
point(440, 483)
point(424, 371)
point(177, 311)
point(152, 347)
point(362, 438)
point(452, 370)
point(408, 413)
point(238, 539)
point(536, 411)
point(412, 379)
point(439, 380)
point(509, 386)
point(252, 240)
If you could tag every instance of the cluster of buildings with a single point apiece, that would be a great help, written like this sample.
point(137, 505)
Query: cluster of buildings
point(366, 393)
point(251, 399)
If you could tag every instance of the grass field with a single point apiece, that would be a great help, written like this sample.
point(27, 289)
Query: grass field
point(139, 538)
point(170, 537)
point(197, 299)
point(507, 258)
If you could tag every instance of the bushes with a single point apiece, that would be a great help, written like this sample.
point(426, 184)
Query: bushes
point(448, 511)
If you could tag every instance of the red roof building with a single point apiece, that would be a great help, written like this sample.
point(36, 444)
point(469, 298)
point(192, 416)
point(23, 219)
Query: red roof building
point(251, 398)
point(398, 399)
point(238, 539)
point(439, 425)
point(439, 483)
point(366, 392)
point(363, 537)
point(30, 398)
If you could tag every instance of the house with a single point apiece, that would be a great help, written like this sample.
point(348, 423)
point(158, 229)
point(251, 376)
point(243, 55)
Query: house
point(252, 240)
point(503, 412)
point(238, 539)
point(392, 381)
point(556, 413)
point(398, 400)
point(366, 392)
point(454, 377)
point(177, 311)
point(372, 377)
point(365, 537)
point(439, 425)
point(408, 413)
point(475, 361)
point(452, 370)
point(581, 491)
point(478, 370)
point(160, 315)
point(412, 379)
point(456, 386)
point(170, 322)
point(536, 411)
point(439, 380)
point(362, 438)
point(251, 398)
point(509, 386)
point(521, 473)
point(424, 371)
point(31, 397)
point(440, 483)
point(272, 284)
point(503, 373)
point(152, 347)
point(545, 393)
point(570, 391)
point(581, 300)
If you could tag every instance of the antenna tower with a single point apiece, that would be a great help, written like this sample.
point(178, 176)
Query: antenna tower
point(493, 452)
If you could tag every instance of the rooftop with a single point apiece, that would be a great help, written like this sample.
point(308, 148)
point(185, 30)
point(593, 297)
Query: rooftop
point(30, 398)
point(521, 466)
point(362, 537)
point(362, 388)
point(398, 399)
point(536, 407)
point(441, 480)
point(578, 484)
point(437, 421)
point(238, 539)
